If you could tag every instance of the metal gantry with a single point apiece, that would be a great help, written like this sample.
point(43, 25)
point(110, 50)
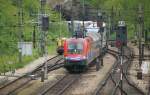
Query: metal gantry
point(20, 27)
point(140, 37)
point(42, 38)
point(44, 23)
point(100, 25)
point(140, 23)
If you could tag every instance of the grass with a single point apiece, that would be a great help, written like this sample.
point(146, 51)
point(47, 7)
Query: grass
point(52, 48)
point(8, 63)
point(9, 35)
point(113, 36)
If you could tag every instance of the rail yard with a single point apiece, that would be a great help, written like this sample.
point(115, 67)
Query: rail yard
point(76, 47)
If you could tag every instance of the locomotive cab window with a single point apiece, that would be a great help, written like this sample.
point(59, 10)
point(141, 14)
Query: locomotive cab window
point(75, 48)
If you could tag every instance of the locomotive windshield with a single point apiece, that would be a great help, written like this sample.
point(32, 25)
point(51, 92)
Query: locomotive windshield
point(75, 48)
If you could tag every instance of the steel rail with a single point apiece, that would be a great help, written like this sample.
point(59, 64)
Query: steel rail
point(12, 86)
point(128, 61)
point(61, 86)
point(101, 85)
point(126, 70)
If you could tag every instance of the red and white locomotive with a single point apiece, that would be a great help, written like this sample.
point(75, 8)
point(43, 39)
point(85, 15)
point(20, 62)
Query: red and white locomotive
point(80, 52)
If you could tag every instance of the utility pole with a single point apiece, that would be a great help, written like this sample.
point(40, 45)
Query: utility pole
point(120, 44)
point(72, 18)
point(109, 27)
point(121, 57)
point(60, 24)
point(112, 19)
point(83, 12)
point(44, 28)
point(20, 27)
point(140, 27)
point(121, 69)
point(42, 38)
point(140, 32)
point(135, 31)
point(34, 36)
point(101, 30)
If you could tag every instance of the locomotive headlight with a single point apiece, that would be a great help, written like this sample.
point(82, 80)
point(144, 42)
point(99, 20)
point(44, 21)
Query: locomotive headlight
point(66, 58)
point(84, 57)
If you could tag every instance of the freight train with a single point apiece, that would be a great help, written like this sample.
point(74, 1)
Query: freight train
point(79, 53)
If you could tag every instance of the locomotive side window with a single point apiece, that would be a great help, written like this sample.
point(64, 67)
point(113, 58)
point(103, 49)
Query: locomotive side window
point(75, 48)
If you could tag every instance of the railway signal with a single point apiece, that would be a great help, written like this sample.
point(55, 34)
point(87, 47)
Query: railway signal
point(45, 23)
point(101, 30)
point(121, 35)
point(20, 24)
point(121, 41)
point(44, 28)
point(99, 19)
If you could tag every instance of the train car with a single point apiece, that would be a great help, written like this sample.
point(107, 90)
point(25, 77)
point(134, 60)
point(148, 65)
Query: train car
point(60, 46)
point(79, 53)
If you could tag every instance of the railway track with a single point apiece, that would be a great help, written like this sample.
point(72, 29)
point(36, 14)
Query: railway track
point(129, 86)
point(62, 85)
point(144, 82)
point(101, 85)
point(112, 83)
point(145, 57)
point(13, 86)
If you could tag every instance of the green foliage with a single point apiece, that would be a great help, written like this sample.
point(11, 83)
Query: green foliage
point(9, 33)
point(7, 20)
point(9, 62)
point(127, 9)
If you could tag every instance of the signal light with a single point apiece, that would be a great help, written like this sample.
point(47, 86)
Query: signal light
point(45, 23)
point(118, 44)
